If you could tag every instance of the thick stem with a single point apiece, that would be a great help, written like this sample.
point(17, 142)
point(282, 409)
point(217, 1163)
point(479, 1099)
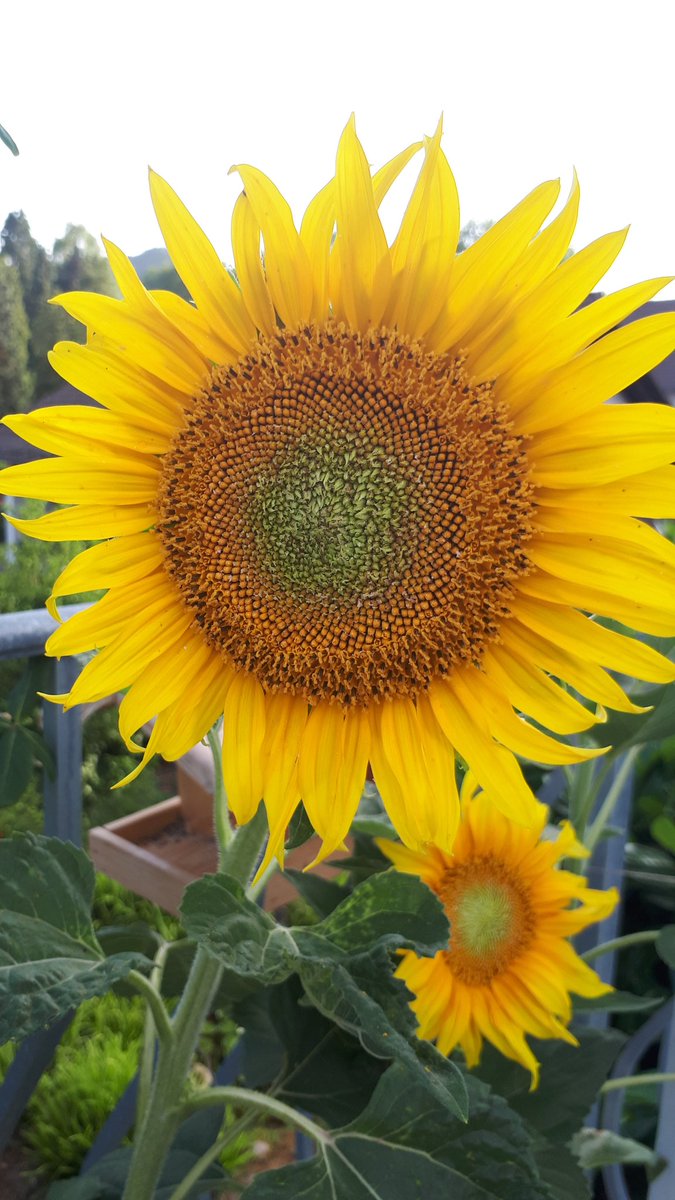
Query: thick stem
point(621, 943)
point(243, 853)
point(163, 1113)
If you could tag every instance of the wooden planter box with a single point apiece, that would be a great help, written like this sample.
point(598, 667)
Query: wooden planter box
point(158, 851)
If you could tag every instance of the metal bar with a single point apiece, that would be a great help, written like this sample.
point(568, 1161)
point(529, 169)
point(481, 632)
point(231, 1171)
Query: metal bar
point(23, 634)
point(63, 735)
point(663, 1188)
point(32, 1059)
point(612, 1106)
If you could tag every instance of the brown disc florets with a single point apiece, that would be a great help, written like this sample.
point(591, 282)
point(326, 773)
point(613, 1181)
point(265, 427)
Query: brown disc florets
point(345, 513)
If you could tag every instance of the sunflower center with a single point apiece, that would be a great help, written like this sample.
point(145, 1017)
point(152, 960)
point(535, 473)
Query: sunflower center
point(346, 513)
point(327, 519)
point(491, 920)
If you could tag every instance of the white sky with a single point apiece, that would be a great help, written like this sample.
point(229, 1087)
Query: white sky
point(94, 91)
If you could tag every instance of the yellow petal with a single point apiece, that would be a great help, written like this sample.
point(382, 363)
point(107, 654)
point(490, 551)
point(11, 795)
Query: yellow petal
point(248, 263)
point(462, 719)
point(332, 770)
point(243, 734)
point(530, 690)
point(69, 481)
point(210, 284)
point(360, 245)
point(285, 726)
point(638, 612)
point(87, 522)
point(151, 342)
point(289, 277)
point(119, 385)
point(168, 679)
point(578, 634)
point(116, 563)
point(389, 173)
point(521, 384)
point(79, 430)
point(316, 235)
point(555, 298)
point(650, 495)
point(599, 373)
point(423, 253)
point(156, 627)
point(101, 623)
point(482, 270)
point(188, 319)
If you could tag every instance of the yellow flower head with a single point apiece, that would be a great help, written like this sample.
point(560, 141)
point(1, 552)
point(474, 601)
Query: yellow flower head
point(509, 968)
point(355, 498)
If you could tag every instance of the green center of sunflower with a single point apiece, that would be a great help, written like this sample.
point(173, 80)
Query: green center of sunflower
point(345, 513)
point(491, 918)
point(327, 519)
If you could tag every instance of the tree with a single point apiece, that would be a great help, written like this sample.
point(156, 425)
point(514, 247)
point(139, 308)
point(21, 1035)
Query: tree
point(78, 265)
point(15, 380)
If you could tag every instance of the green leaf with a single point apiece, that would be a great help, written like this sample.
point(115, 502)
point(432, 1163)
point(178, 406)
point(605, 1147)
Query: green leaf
point(617, 1002)
point(600, 1147)
point(404, 1147)
point(560, 1170)
point(300, 829)
point(16, 763)
point(665, 945)
point(571, 1078)
point(662, 830)
point(8, 140)
point(323, 895)
point(388, 911)
point(50, 960)
point(317, 1067)
point(366, 1001)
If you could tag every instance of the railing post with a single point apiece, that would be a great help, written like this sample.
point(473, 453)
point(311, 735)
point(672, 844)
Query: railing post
point(63, 735)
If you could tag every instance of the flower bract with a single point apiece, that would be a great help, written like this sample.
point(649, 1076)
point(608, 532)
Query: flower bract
point(509, 967)
point(361, 498)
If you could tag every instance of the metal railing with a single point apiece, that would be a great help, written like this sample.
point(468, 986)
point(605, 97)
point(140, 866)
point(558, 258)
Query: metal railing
point(23, 635)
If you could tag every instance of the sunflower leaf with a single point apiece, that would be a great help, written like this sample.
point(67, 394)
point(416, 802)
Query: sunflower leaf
point(404, 1146)
point(50, 960)
point(364, 999)
point(389, 911)
point(571, 1078)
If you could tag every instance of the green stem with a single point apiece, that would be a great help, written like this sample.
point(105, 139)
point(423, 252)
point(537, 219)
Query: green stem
point(621, 943)
point(626, 1081)
point(148, 988)
point(221, 811)
point(594, 833)
point(245, 1098)
point(241, 857)
point(162, 1115)
point(157, 1024)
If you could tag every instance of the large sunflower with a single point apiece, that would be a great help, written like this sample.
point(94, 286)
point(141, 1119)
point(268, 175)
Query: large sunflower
point(509, 968)
point(355, 498)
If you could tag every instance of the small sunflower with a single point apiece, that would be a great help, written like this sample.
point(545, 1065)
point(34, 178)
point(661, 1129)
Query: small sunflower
point(509, 968)
point(355, 496)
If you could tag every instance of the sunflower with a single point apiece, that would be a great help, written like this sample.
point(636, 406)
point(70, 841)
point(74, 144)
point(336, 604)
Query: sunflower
point(353, 497)
point(509, 968)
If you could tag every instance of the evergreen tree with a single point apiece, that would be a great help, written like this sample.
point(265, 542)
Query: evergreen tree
point(15, 380)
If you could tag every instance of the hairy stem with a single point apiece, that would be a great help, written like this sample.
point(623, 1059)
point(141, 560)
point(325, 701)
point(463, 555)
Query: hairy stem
point(626, 1081)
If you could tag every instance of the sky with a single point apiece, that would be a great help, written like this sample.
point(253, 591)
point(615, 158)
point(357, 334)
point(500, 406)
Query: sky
point(93, 92)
